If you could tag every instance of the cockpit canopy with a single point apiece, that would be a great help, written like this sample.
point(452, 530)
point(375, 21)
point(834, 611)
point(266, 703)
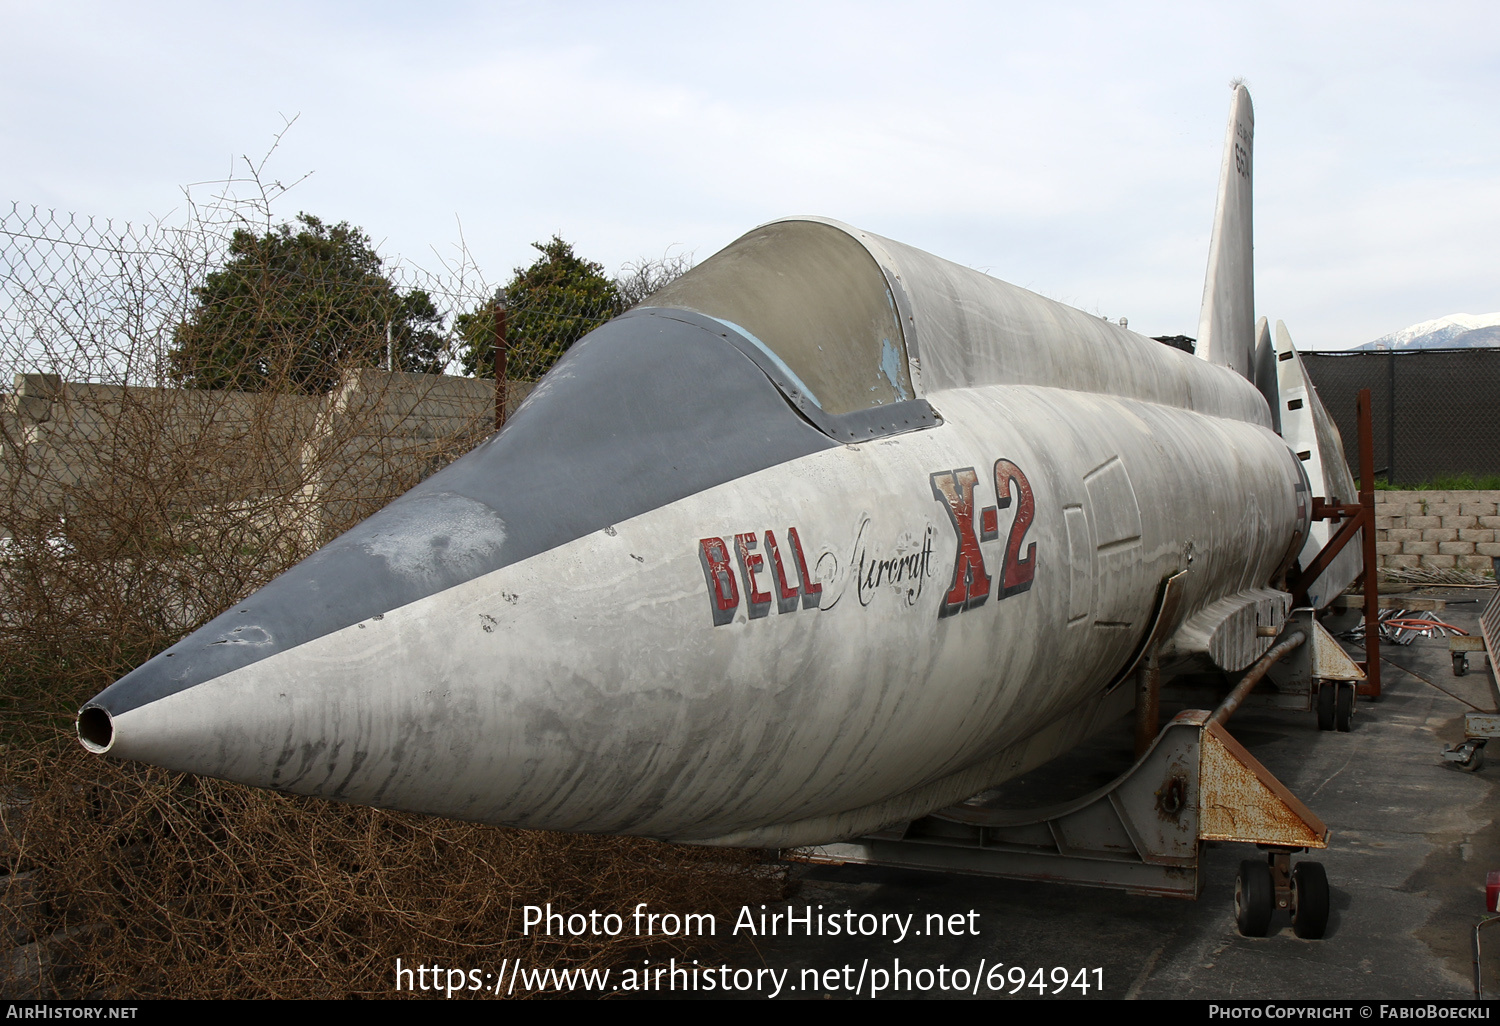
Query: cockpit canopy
point(817, 308)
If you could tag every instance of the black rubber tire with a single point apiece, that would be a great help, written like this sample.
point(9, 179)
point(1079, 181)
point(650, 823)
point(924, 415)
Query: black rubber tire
point(1460, 664)
point(1325, 705)
point(1343, 711)
point(1475, 762)
point(1254, 898)
point(1310, 894)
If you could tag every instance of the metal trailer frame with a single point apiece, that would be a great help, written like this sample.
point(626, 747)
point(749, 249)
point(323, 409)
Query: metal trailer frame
point(1141, 833)
point(1488, 640)
point(1489, 629)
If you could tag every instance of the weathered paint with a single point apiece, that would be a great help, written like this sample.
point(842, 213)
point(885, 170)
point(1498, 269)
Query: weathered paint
point(1226, 321)
point(604, 697)
point(1313, 436)
point(639, 413)
point(1240, 800)
point(701, 608)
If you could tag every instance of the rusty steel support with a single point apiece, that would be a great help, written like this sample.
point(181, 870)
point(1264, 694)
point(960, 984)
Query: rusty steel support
point(1372, 567)
point(1147, 702)
point(1353, 517)
point(1253, 676)
point(501, 351)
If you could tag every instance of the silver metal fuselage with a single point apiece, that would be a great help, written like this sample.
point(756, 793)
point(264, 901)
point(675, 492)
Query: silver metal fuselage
point(833, 642)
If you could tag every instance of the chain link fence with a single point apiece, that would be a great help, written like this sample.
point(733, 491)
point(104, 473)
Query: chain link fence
point(229, 300)
point(1434, 409)
point(222, 300)
point(196, 407)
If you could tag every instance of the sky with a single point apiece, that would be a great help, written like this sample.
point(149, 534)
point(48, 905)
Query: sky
point(1072, 149)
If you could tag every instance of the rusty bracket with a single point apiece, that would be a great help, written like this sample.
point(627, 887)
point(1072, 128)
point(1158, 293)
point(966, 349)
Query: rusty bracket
point(1333, 512)
point(1350, 526)
point(1298, 676)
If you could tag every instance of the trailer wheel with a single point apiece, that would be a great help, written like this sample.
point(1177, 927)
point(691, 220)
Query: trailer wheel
point(1310, 897)
point(1343, 715)
point(1460, 663)
point(1254, 898)
point(1325, 705)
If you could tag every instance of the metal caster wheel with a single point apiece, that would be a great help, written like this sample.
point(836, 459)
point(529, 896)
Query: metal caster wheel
point(1326, 694)
point(1460, 663)
point(1254, 898)
point(1466, 756)
point(1309, 900)
point(1343, 712)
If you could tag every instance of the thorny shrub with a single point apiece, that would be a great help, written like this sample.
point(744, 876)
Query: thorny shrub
point(144, 883)
point(132, 511)
point(155, 884)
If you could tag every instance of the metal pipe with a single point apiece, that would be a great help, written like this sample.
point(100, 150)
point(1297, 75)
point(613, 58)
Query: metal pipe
point(1252, 677)
point(1147, 702)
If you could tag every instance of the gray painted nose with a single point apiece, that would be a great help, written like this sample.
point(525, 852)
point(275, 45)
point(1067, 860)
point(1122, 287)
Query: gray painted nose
point(646, 410)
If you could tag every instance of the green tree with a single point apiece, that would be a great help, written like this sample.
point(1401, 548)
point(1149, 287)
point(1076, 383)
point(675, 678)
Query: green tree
point(292, 307)
point(549, 306)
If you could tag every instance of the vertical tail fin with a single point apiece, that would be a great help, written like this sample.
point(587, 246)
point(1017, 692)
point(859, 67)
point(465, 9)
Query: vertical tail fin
point(1226, 323)
point(1265, 371)
point(1314, 438)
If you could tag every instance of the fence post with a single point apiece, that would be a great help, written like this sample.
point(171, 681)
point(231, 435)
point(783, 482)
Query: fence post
point(1366, 428)
point(501, 347)
point(1390, 418)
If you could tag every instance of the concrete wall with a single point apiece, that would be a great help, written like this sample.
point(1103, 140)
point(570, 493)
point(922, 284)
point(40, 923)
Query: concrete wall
point(75, 450)
point(319, 464)
point(379, 433)
point(65, 440)
point(1437, 530)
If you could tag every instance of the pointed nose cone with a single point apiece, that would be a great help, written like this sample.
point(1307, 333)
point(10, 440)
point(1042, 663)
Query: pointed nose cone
point(426, 541)
point(289, 688)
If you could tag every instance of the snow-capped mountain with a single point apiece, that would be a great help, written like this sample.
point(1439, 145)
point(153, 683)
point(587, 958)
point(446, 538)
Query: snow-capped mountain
point(1451, 332)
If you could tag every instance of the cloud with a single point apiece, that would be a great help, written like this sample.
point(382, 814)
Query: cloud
point(1071, 149)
